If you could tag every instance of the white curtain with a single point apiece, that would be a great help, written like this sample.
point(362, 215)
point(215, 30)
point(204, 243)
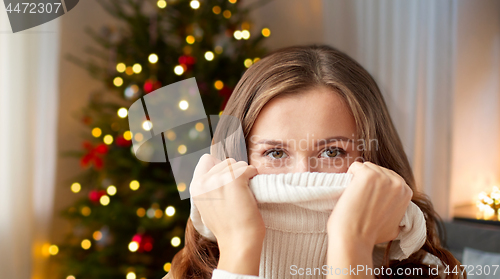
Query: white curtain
point(28, 117)
point(407, 47)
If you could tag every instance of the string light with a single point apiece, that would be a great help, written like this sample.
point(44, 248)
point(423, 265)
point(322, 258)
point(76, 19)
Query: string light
point(111, 190)
point(76, 187)
point(227, 14)
point(183, 105)
point(170, 211)
point(220, 112)
point(97, 235)
point(141, 212)
point(171, 135)
point(96, 132)
point(266, 32)
point(232, 1)
point(182, 149)
point(104, 200)
point(153, 58)
point(167, 267)
point(181, 187)
point(70, 277)
point(129, 71)
point(108, 139)
point(120, 67)
point(219, 84)
point(199, 126)
point(151, 213)
point(190, 39)
point(137, 68)
point(122, 112)
point(216, 10)
point(127, 135)
point(86, 211)
point(53, 250)
point(256, 59)
point(248, 62)
point(131, 275)
point(237, 35)
point(86, 244)
point(133, 246)
point(245, 25)
point(134, 185)
point(158, 213)
point(118, 81)
point(209, 56)
point(245, 34)
point(147, 125)
point(176, 241)
point(178, 70)
point(194, 4)
point(138, 137)
point(218, 49)
point(162, 4)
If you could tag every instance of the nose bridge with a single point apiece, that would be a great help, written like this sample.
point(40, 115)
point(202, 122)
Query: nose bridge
point(303, 164)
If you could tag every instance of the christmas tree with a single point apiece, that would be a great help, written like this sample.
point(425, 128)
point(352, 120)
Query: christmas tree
point(131, 221)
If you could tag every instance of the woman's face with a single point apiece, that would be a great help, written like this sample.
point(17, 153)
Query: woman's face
point(313, 131)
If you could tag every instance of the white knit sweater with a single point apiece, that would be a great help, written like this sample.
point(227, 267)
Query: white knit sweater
point(295, 208)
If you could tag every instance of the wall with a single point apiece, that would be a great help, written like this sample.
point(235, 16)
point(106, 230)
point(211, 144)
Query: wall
point(476, 117)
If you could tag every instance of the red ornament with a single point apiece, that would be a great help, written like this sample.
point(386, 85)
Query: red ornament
point(122, 142)
point(94, 155)
point(151, 85)
point(95, 195)
point(145, 242)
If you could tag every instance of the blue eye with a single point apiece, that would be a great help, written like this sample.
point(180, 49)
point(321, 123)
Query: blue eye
point(333, 152)
point(275, 154)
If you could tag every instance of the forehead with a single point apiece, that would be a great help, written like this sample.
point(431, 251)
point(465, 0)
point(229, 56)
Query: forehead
point(320, 112)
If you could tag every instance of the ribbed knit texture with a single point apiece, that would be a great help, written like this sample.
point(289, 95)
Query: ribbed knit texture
point(295, 208)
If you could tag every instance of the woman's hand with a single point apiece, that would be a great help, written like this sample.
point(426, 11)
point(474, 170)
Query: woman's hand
point(228, 208)
point(368, 212)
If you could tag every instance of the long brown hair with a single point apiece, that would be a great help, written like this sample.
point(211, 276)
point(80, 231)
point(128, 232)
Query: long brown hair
point(296, 69)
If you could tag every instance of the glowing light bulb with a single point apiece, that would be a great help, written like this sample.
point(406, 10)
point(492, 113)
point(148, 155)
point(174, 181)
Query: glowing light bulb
point(183, 105)
point(122, 112)
point(118, 81)
point(133, 246)
point(209, 56)
point(86, 244)
point(137, 68)
point(96, 132)
point(76, 187)
point(170, 211)
point(53, 250)
point(194, 4)
point(176, 241)
point(178, 70)
point(134, 185)
point(120, 67)
point(147, 125)
point(111, 190)
point(104, 200)
point(153, 58)
point(237, 35)
point(218, 85)
point(108, 139)
point(161, 4)
point(182, 149)
point(266, 32)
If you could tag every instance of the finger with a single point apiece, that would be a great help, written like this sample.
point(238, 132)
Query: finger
point(374, 167)
point(205, 163)
point(222, 165)
point(355, 166)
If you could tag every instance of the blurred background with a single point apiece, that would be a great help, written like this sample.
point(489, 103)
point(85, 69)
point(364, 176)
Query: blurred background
point(76, 203)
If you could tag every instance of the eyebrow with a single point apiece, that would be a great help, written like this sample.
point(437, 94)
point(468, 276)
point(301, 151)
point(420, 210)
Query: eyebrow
point(320, 142)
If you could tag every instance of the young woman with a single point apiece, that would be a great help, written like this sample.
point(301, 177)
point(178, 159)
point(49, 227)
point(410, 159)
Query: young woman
point(319, 96)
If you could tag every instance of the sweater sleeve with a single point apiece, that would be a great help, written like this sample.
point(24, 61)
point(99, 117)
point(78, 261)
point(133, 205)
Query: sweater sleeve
point(222, 274)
